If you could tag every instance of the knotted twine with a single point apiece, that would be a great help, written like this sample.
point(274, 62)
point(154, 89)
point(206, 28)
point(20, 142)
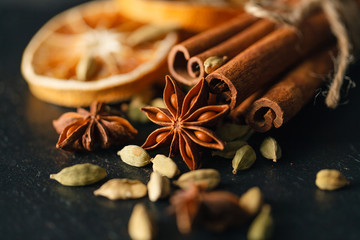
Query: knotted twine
point(344, 23)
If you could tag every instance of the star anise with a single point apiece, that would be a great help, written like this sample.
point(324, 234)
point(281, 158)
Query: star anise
point(185, 122)
point(217, 210)
point(88, 130)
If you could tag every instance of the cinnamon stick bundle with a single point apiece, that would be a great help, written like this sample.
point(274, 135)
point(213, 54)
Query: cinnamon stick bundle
point(266, 59)
point(190, 73)
point(284, 99)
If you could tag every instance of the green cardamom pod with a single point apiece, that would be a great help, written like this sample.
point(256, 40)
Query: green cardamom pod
point(134, 113)
point(80, 175)
point(213, 63)
point(165, 166)
point(229, 149)
point(270, 149)
point(230, 132)
point(87, 67)
point(141, 223)
point(134, 156)
point(262, 226)
point(158, 102)
point(330, 179)
point(205, 178)
point(244, 158)
point(251, 201)
point(122, 188)
point(158, 186)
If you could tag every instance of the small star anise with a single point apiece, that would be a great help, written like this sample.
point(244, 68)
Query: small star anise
point(88, 130)
point(217, 210)
point(185, 122)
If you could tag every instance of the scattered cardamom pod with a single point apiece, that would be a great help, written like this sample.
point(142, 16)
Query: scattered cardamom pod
point(87, 67)
point(262, 226)
point(149, 33)
point(330, 179)
point(251, 201)
point(213, 63)
point(141, 223)
point(270, 149)
point(205, 178)
point(80, 175)
point(248, 134)
point(134, 156)
point(122, 188)
point(229, 149)
point(244, 158)
point(158, 187)
point(229, 132)
point(158, 102)
point(134, 113)
point(165, 166)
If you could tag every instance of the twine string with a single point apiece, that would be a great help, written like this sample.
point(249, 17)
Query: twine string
point(332, 10)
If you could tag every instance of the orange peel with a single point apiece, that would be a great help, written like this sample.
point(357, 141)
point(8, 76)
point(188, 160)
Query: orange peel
point(189, 16)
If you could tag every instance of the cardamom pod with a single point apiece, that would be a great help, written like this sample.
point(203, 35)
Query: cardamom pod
point(158, 187)
point(262, 226)
point(230, 132)
point(229, 149)
point(270, 149)
point(87, 67)
point(134, 113)
point(141, 223)
point(80, 175)
point(134, 156)
point(330, 179)
point(122, 188)
point(205, 178)
point(149, 33)
point(213, 63)
point(165, 166)
point(244, 158)
point(251, 201)
point(158, 102)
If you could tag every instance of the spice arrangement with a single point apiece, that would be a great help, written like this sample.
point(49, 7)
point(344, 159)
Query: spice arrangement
point(242, 75)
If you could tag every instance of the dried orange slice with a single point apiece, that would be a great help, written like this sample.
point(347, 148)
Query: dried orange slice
point(91, 52)
point(190, 15)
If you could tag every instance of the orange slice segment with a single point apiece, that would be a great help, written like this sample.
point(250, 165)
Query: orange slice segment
point(190, 15)
point(88, 53)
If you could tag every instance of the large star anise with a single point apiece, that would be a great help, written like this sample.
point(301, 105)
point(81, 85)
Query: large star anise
point(185, 122)
point(88, 130)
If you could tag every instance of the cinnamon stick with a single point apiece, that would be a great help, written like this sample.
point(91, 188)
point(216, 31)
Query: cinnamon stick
point(284, 99)
point(260, 63)
point(229, 48)
point(238, 113)
point(181, 53)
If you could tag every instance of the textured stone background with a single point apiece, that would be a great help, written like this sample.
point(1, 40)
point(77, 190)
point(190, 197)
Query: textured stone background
point(34, 207)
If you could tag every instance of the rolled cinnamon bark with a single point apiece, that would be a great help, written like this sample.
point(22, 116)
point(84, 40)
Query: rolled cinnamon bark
point(229, 48)
point(238, 113)
point(180, 54)
point(260, 63)
point(284, 99)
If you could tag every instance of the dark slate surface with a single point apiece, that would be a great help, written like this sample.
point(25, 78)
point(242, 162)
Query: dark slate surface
point(34, 207)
